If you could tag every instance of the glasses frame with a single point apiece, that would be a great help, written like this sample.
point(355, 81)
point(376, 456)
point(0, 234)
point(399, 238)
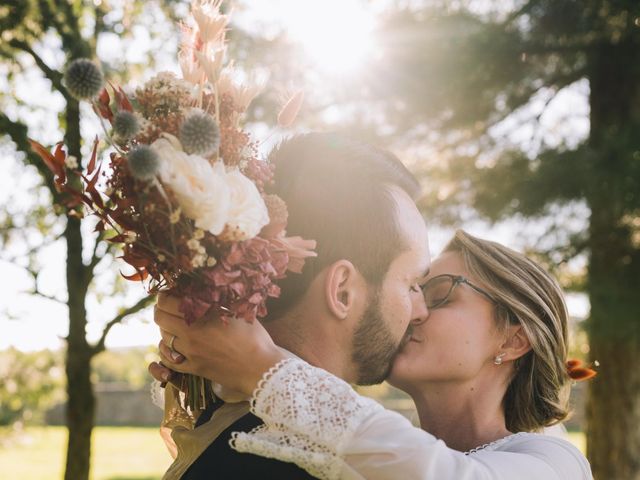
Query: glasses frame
point(456, 280)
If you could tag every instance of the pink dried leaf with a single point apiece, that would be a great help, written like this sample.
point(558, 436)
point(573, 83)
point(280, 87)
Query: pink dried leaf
point(291, 108)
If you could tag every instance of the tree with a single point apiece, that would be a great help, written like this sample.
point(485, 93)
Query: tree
point(469, 89)
point(38, 37)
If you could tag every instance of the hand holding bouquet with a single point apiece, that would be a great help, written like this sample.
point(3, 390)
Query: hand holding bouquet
point(183, 189)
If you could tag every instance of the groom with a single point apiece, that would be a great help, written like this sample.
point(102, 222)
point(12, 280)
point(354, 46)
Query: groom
point(351, 308)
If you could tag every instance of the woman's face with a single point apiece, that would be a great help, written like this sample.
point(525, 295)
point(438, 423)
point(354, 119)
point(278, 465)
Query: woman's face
point(457, 342)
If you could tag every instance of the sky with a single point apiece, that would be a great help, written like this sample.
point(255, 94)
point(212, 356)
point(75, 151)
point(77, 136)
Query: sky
point(32, 323)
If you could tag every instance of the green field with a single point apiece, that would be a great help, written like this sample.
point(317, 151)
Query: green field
point(119, 453)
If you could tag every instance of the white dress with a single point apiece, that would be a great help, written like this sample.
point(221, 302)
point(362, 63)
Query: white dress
point(317, 421)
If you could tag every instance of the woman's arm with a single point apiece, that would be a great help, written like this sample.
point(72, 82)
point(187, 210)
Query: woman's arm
point(319, 422)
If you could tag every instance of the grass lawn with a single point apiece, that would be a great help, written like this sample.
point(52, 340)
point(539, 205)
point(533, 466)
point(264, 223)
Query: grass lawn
point(119, 453)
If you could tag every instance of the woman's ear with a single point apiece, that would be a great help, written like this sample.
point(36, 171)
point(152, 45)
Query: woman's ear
point(340, 284)
point(516, 344)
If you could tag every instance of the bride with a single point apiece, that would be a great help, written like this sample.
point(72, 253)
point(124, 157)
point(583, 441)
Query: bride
point(486, 370)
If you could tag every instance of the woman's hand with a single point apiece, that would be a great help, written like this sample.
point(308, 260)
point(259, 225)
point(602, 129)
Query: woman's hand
point(236, 354)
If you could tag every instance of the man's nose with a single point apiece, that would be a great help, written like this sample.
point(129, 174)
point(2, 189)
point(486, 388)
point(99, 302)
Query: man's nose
point(420, 311)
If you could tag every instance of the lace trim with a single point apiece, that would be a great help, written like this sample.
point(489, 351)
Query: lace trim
point(495, 444)
point(309, 416)
point(157, 394)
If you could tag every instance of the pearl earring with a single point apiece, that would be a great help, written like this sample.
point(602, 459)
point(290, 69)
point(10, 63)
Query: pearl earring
point(498, 359)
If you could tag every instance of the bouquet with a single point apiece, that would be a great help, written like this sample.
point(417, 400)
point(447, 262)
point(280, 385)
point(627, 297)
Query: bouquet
point(183, 189)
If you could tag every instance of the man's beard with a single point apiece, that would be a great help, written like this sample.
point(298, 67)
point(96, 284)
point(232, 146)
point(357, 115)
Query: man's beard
point(374, 347)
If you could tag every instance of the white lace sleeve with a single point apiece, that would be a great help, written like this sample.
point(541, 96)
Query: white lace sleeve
point(308, 414)
point(157, 394)
point(317, 421)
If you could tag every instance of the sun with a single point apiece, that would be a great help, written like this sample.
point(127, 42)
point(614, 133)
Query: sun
point(336, 35)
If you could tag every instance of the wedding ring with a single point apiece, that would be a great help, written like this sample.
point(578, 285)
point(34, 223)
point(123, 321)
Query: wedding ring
point(173, 339)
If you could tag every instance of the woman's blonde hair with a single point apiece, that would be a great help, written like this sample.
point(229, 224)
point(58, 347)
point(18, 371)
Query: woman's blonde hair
point(525, 294)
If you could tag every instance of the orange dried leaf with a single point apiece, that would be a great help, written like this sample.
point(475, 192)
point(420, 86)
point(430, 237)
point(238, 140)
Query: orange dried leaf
point(136, 261)
point(103, 109)
point(572, 363)
point(139, 276)
point(59, 154)
point(54, 164)
point(582, 373)
point(92, 161)
point(104, 98)
point(123, 101)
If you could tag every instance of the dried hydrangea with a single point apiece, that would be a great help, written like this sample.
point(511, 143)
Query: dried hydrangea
point(163, 94)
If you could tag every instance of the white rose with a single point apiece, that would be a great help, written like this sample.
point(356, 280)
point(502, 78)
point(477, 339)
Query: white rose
point(247, 213)
point(201, 188)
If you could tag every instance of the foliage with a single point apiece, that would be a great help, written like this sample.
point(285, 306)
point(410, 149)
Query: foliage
point(31, 383)
point(124, 365)
point(34, 381)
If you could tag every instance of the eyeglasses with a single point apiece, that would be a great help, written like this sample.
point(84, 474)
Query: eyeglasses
point(438, 289)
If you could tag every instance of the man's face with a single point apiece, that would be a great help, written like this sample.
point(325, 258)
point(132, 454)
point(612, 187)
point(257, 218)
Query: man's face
point(393, 306)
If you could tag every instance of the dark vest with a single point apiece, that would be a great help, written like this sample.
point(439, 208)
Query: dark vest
point(220, 462)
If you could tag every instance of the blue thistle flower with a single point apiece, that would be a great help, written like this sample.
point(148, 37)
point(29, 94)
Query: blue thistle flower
point(199, 134)
point(125, 124)
point(143, 163)
point(83, 79)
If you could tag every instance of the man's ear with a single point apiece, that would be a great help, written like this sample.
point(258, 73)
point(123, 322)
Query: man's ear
point(516, 344)
point(340, 286)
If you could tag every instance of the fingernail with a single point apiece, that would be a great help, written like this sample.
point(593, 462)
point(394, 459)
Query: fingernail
point(175, 356)
point(165, 376)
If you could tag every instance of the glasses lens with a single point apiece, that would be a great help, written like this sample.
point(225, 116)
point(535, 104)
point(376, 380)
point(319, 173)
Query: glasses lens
point(437, 290)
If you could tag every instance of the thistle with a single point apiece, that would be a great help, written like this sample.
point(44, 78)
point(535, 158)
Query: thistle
point(143, 163)
point(83, 79)
point(126, 125)
point(199, 134)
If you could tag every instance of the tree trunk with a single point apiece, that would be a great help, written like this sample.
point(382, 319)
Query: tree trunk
point(81, 401)
point(80, 410)
point(613, 410)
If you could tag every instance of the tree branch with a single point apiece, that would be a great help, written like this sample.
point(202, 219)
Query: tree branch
point(18, 133)
point(141, 304)
point(99, 14)
point(95, 258)
point(557, 83)
point(34, 275)
point(33, 249)
point(70, 17)
point(38, 293)
point(53, 75)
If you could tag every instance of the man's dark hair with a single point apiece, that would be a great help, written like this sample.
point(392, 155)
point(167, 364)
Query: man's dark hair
point(339, 192)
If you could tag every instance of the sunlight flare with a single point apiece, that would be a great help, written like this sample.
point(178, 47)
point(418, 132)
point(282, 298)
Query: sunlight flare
point(336, 35)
